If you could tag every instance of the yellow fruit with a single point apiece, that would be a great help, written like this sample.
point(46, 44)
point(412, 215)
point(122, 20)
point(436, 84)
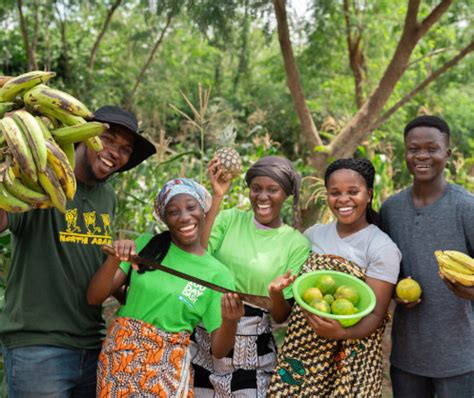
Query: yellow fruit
point(343, 306)
point(347, 292)
point(312, 293)
point(321, 305)
point(408, 289)
point(326, 284)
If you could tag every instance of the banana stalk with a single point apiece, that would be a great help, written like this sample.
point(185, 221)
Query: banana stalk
point(20, 84)
point(34, 136)
point(6, 107)
point(18, 147)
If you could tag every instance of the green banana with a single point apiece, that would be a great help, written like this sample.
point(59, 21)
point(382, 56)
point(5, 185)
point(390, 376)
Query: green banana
point(73, 134)
point(44, 129)
point(52, 186)
point(57, 99)
point(6, 107)
point(19, 147)
point(20, 84)
point(70, 151)
point(57, 114)
point(94, 143)
point(10, 203)
point(15, 187)
point(59, 163)
point(34, 136)
point(461, 258)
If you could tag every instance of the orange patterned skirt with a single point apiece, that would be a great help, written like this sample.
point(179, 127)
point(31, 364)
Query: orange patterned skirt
point(139, 360)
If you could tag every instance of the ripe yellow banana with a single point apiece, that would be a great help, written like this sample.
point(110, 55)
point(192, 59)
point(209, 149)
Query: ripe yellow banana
point(77, 133)
point(34, 136)
point(20, 84)
point(57, 99)
point(18, 147)
point(16, 188)
point(10, 203)
point(461, 258)
point(453, 276)
point(59, 163)
point(94, 143)
point(446, 262)
point(52, 186)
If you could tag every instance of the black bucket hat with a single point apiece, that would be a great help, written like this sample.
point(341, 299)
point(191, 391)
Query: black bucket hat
point(142, 148)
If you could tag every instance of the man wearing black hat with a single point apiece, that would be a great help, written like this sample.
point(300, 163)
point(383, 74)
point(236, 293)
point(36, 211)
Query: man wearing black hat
point(50, 336)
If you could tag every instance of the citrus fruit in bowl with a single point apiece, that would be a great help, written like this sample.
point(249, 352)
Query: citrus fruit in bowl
point(347, 316)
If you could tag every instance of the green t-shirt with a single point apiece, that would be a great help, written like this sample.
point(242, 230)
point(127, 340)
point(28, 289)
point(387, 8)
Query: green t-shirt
point(256, 256)
point(171, 303)
point(54, 256)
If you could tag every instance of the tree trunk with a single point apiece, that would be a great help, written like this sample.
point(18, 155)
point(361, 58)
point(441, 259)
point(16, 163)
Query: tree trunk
point(148, 61)
point(243, 58)
point(30, 55)
point(310, 132)
point(108, 18)
point(360, 126)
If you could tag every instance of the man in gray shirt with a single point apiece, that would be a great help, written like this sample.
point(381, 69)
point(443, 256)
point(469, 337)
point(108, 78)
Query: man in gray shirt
point(433, 339)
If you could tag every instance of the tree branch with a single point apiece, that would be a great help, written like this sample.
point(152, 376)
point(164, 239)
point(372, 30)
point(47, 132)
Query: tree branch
point(148, 61)
point(433, 76)
point(434, 16)
point(110, 12)
point(24, 33)
point(293, 79)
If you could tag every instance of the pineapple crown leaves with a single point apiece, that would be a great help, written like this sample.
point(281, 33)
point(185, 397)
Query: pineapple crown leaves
point(228, 136)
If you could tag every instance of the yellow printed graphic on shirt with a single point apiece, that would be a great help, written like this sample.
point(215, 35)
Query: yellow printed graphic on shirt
point(90, 233)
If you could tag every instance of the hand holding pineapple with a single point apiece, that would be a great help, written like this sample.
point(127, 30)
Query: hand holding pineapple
point(220, 182)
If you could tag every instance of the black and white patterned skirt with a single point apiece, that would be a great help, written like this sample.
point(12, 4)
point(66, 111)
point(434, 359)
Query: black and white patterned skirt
point(246, 371)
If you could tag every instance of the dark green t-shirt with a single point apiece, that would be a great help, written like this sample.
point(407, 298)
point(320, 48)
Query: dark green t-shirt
point(54, 256)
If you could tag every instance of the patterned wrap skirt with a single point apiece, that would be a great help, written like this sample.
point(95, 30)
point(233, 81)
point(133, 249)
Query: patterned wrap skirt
point(246, 370)
point(312, 366)
point(140, 360)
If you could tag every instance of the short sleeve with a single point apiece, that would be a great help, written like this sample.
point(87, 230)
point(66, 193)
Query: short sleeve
point(219, 229)
point(384, 263)
point(296, 260)
point(141, 242)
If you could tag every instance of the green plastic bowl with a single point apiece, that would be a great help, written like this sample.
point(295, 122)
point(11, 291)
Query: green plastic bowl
point(365, 305)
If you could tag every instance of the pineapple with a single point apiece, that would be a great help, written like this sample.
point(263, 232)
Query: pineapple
point(228, 156)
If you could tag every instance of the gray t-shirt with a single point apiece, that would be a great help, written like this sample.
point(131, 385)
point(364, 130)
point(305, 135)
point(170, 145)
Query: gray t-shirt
point(436, 338)
point(370, 248)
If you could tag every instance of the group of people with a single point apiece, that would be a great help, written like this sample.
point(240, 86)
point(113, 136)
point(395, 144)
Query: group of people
point(175, 338)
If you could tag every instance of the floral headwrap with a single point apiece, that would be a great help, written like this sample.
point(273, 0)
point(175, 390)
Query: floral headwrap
point(182, 185)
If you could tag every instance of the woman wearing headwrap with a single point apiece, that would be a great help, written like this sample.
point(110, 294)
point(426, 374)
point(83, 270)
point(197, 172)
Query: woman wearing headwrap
point(256, 246)
point(319, 358)
point(146, 351)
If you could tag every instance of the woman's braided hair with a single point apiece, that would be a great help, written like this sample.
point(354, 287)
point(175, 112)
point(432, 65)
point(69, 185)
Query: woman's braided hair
point(363, 167)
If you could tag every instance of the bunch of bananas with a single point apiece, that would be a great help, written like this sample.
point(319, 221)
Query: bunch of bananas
point(38, 129)
point(456, 266)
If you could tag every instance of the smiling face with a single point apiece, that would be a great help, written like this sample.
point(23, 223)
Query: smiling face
point(426, 153)
point(347, 197)
point(266, 198)
point(117, 148)
point(184, 217)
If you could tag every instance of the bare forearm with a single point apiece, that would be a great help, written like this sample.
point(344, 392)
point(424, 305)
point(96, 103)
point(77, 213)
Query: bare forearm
point(280, 307)
point(3, 220)
point(101, 285)
point(223, 339)
point(210, 218)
